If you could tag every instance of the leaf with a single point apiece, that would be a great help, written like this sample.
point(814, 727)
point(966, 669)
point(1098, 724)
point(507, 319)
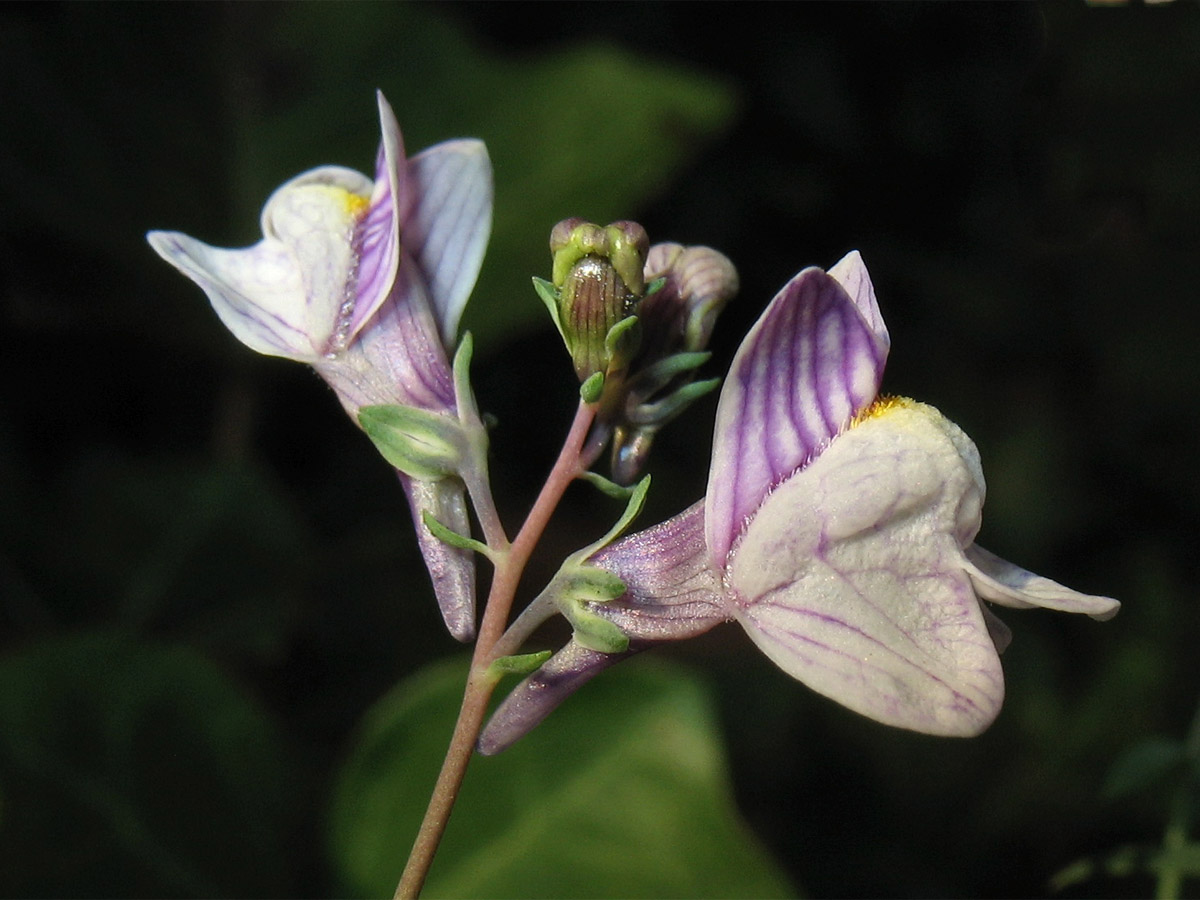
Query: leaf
point(1148, 765)
point(214, 550)
point(633, 508)
point(622, 792)
point(133, 769)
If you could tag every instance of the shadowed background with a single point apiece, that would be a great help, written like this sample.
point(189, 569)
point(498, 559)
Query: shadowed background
point(207, 575)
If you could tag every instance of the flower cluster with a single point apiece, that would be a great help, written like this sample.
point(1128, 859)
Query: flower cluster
point(838, 526)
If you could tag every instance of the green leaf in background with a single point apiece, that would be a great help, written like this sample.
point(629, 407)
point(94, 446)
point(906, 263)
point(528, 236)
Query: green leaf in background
point(621, 793)
point(1155, 763)
point(131, 769)
point(213, 551)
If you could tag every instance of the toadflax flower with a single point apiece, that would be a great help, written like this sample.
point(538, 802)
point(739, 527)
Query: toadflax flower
point(366, 281)
point(838, 529)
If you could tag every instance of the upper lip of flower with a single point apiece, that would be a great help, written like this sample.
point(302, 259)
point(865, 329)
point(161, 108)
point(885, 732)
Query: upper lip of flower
point(327, 260)
point(809, 364)
point(331, 248)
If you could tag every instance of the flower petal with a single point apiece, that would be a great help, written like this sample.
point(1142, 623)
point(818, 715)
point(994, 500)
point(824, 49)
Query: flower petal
point(671, 591)
point(397, 358)
point(1010, 585)
point(850, 577)
point(807, 367)
point(528, 704)
point(671, 594)
point(851, 274)
point(447, 220)
point(315, 216)
point(378, 234)
point(452, 569)
point(257, 292)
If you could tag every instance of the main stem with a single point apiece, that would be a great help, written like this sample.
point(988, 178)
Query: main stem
point(510, 565)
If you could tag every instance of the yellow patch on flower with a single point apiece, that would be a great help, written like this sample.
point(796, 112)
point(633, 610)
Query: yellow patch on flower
point(356, 204)
point(882, 404)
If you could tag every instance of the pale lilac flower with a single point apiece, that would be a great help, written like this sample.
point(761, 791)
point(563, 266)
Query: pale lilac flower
point(838, 530)
point(366, 281)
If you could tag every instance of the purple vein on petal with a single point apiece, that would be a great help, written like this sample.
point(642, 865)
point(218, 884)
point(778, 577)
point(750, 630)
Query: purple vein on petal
point(806, 367)
point(377, 236)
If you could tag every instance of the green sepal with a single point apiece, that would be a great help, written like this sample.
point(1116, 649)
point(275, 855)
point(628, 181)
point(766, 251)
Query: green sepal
point(655, 286)
point(606, 486)
point(520, 665)
point(590, 583)
point(659, 373)
point(594, 631)
point(622, 342)
point(421, 444)
point(592, 389)
point(550, 296)
point(664, 410)
point(449, 536)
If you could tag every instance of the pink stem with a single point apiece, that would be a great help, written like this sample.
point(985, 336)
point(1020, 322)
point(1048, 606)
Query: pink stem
point(480, 683)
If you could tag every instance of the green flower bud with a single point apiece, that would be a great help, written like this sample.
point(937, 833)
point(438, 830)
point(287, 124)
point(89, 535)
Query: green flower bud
point(597, 273)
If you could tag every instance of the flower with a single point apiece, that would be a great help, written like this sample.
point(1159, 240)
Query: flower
point(838, 529)
point(366, 281)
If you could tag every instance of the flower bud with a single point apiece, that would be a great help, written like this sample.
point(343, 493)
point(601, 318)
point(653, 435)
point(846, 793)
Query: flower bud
point(598, 273)
point(677, 321)
point(699, 281)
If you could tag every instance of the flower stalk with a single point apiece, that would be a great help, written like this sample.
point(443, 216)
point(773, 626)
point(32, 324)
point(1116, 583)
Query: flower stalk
point(481, 680)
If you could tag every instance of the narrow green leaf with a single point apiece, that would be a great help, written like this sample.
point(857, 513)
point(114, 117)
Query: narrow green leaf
point(549, 296)
point(593, 631)
point(659, 373)
point(588, 582)
point(462, 371)
point(666, 409)
point(622, 341)
point(453, 538)
point(605, 485)
point(637, 497)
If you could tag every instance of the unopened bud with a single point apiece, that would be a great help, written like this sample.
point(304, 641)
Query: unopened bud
point(677, 321)
point(598, 273)
point(699, 281)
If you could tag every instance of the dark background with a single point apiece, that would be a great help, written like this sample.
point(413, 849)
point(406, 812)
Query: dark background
point(1022, 181)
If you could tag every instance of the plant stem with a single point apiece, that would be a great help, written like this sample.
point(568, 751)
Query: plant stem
point(509, 568)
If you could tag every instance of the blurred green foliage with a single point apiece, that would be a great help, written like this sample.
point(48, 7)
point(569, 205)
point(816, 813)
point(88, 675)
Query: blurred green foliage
point(625, 792)
point(207, 577)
